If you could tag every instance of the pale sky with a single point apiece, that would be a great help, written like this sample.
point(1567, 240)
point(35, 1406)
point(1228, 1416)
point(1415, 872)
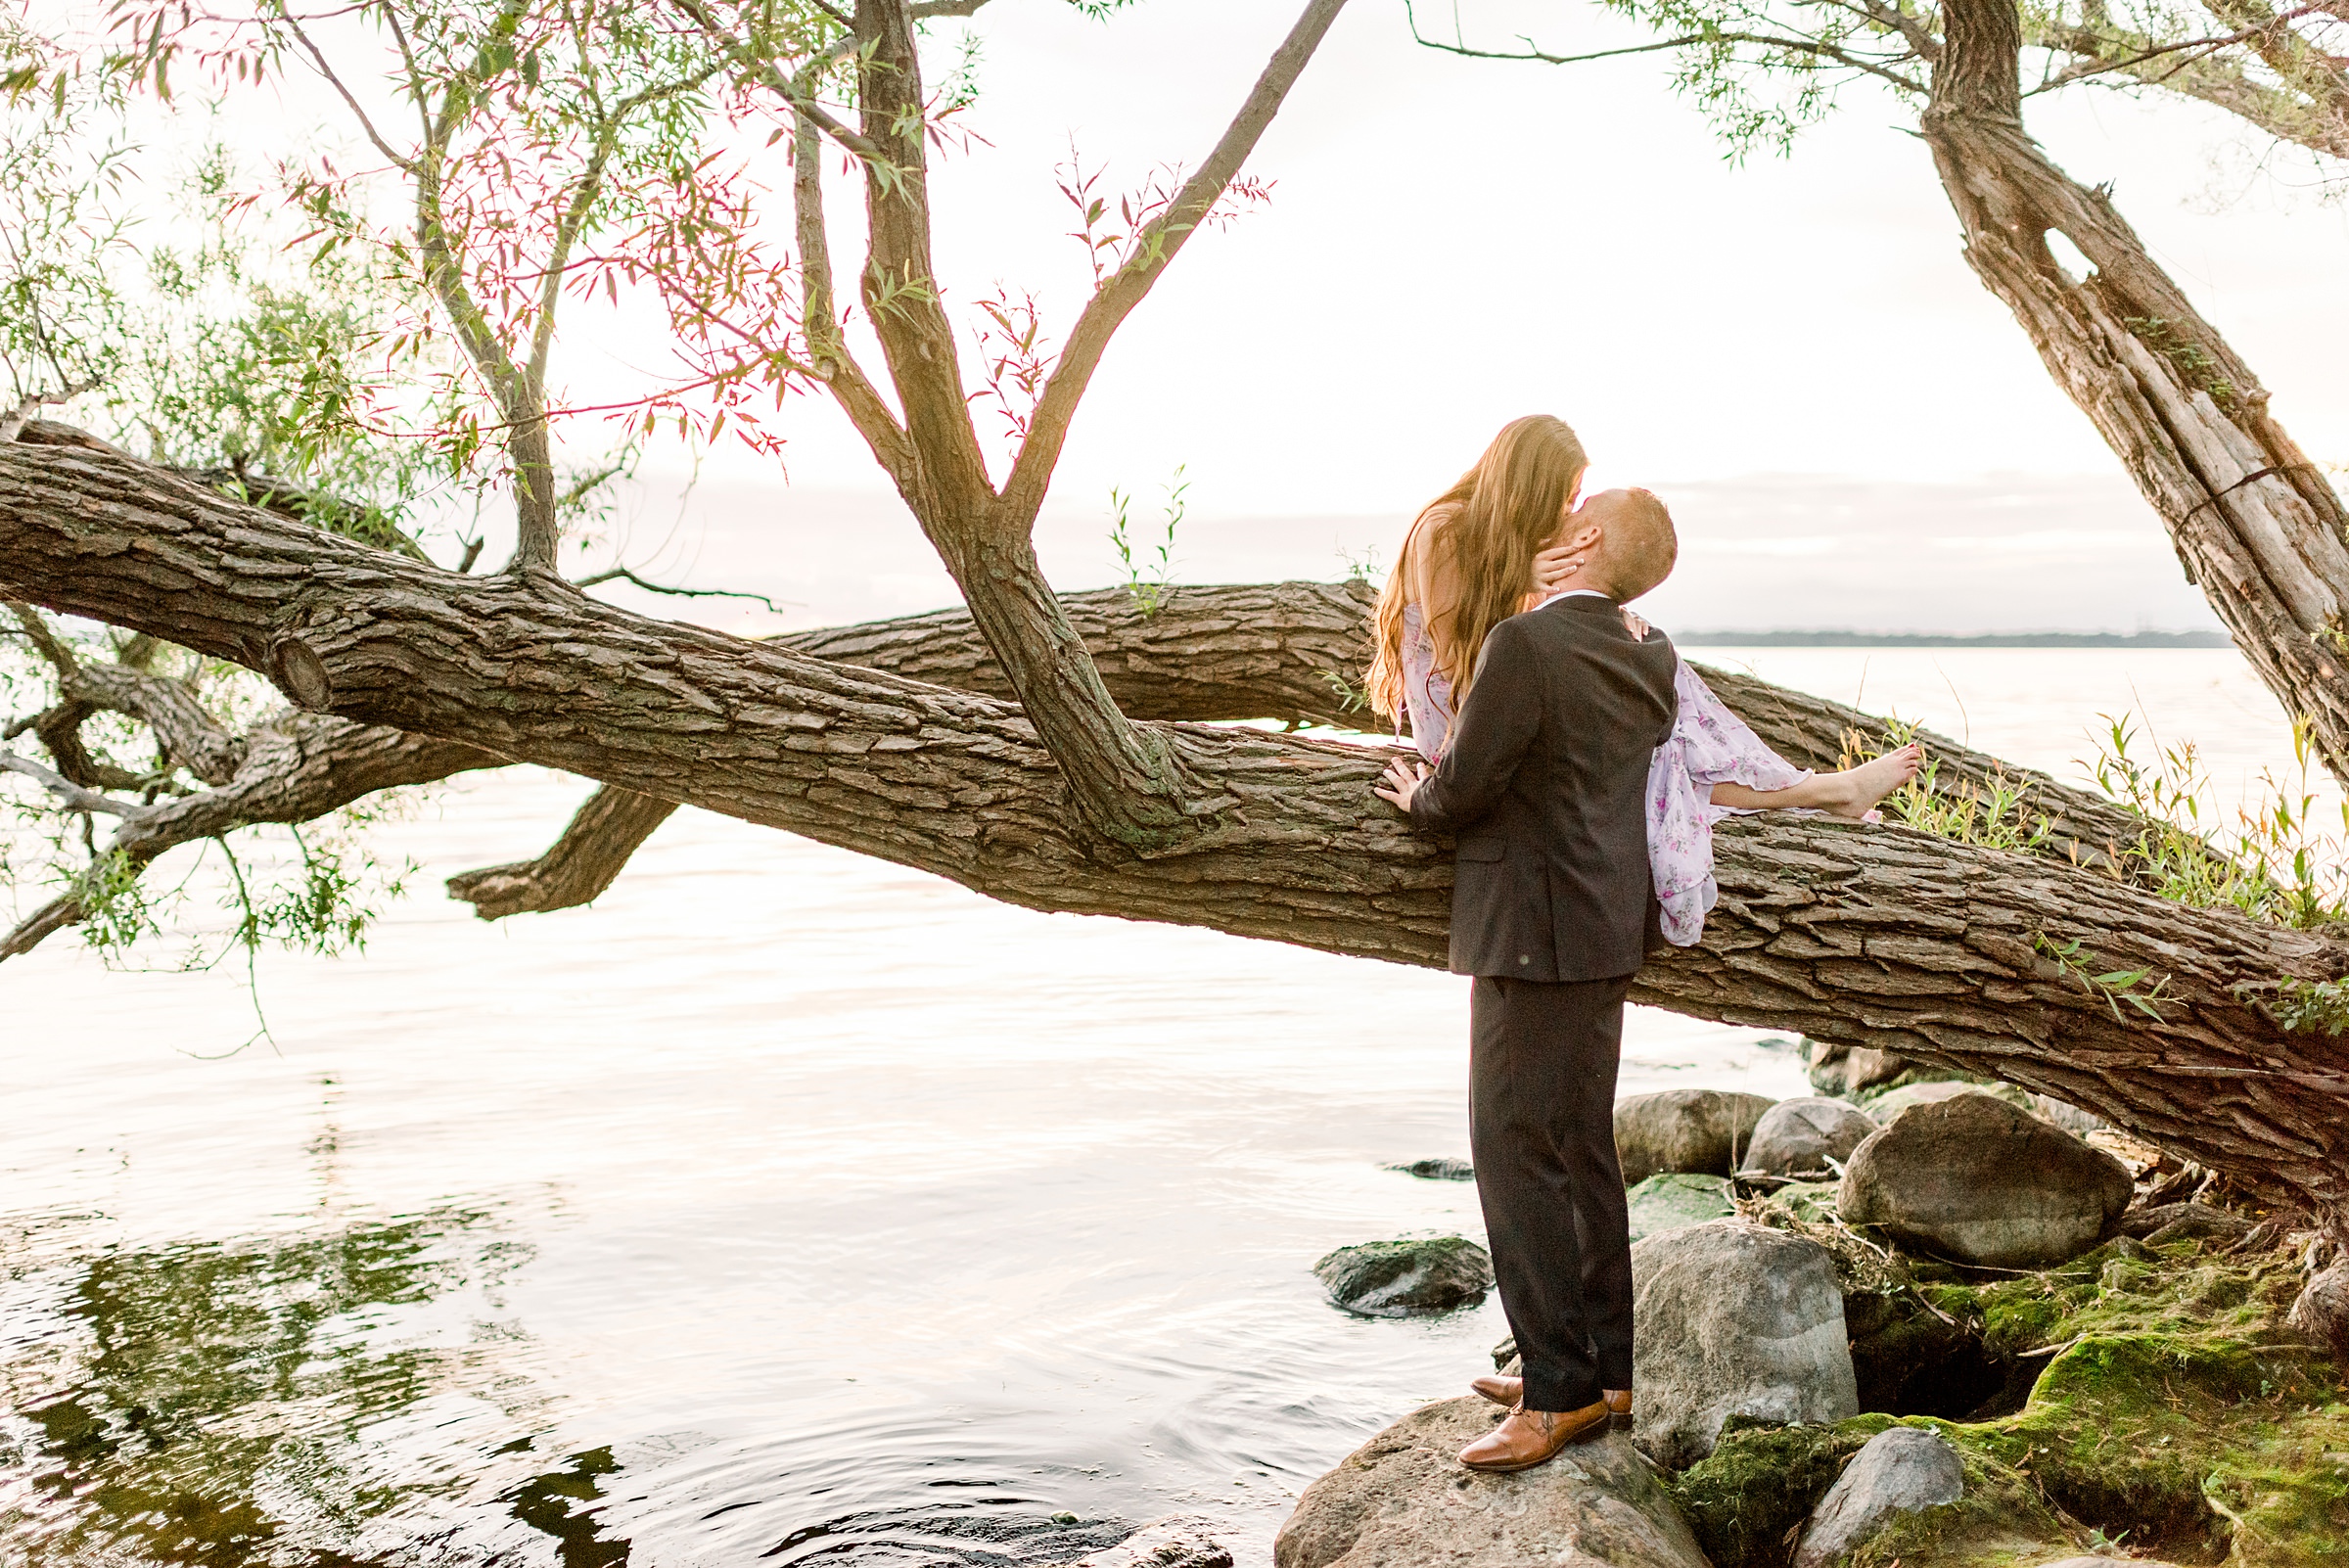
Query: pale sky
point(1452, 243)
point(1853, 432)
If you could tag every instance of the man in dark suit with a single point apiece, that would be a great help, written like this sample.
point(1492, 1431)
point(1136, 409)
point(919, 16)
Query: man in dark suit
point(1552, 907)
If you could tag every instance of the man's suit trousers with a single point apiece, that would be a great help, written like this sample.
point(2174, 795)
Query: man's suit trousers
point(1543, 1059)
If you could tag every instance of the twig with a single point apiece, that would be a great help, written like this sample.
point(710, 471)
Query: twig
point(31, 403)
point(1807, 46)
point(73, 795)
point(623, 574)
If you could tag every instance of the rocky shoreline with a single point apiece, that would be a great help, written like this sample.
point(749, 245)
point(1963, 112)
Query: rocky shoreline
point(1911, 1319)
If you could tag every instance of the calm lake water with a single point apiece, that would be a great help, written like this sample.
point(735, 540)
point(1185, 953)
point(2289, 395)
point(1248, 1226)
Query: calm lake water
point(784, 1206)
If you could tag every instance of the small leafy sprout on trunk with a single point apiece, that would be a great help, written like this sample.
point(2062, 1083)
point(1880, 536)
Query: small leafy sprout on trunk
point(1149, 569)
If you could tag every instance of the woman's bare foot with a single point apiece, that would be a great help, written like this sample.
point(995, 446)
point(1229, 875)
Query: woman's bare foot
point(1864, 786)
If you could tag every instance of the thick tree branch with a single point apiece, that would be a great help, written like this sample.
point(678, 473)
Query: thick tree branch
point(2253, 520)
point(609, 828)
point(1287, 652)
point(1877, 936)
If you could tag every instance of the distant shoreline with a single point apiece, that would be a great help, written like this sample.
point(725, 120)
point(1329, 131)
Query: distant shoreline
point(1912, 639)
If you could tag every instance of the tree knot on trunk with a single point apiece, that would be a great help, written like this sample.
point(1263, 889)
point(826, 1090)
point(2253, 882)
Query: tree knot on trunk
point(296, 670)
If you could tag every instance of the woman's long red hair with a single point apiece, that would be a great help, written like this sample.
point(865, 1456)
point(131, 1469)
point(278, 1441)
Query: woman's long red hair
point(1502, 512)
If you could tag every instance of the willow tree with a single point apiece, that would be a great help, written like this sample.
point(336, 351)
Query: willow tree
point(1054, 752)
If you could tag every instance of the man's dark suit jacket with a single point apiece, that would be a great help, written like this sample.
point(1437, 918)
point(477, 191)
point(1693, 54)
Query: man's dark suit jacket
point(1543, 788)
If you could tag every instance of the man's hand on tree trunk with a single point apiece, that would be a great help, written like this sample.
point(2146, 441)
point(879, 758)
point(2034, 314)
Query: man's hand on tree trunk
point(1401, 779)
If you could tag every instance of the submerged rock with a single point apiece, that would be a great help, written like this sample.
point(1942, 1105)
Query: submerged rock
point(1443, 1168)
point(1798, 1137)
point(1974, 1179)
point(1697, 1132)
point(1403, 1501)
point(1670, 1201)
point(1730, 1319)
point(1177, 1541)
point(1406, 1276)
point(1903, 1470)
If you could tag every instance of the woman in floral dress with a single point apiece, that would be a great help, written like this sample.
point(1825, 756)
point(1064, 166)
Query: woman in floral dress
point(1493, 545)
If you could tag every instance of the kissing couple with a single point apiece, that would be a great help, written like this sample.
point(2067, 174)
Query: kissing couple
point(1580, 766)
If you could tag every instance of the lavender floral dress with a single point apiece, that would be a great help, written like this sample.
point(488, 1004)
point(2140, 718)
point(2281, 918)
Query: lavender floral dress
point(1709, 746)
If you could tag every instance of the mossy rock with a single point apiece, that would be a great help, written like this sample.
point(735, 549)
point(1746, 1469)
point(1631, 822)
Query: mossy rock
point(1758, 1484)
point(1406, 1276)
point(1748, 1500)
point(1671, 1201)
point(2001, 1519)
point(2177, 1412)
point(2155, 1394)
point(1810, 1201)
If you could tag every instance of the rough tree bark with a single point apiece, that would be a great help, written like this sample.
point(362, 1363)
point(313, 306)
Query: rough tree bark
point(1272, 651)
point(1878, 936)
point(2255, 522)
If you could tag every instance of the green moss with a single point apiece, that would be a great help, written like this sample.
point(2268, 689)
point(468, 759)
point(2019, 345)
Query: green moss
point(1671, 1200)
point(2002, 1517)
point(2177, 1412)
point(2170, 1406)
point(2126, 1287)
point(1810, 1201)
point(1758, 1486)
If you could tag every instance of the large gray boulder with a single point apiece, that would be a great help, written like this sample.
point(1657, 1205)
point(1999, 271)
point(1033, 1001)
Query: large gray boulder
point(1977, 1181)
point(1798, 1137)
point(1730, 1319)
point(1701, 1132)
point(1897, 1471)
point(1407, 1276)
point(1403, 1501)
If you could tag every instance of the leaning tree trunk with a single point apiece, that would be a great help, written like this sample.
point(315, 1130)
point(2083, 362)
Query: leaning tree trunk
point(1280, 651)
point(1870, 935)
point(2254, 522)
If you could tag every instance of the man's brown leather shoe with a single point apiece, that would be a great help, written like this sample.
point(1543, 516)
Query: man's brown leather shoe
point(1528, 1438)
point(1510, 1392)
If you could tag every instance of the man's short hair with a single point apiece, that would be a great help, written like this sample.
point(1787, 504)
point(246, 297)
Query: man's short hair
point(1637, 547)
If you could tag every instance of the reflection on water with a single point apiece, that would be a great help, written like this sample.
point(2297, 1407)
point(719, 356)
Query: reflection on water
point(785, 1206)
point(207, 1404)
point(557, 1504)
